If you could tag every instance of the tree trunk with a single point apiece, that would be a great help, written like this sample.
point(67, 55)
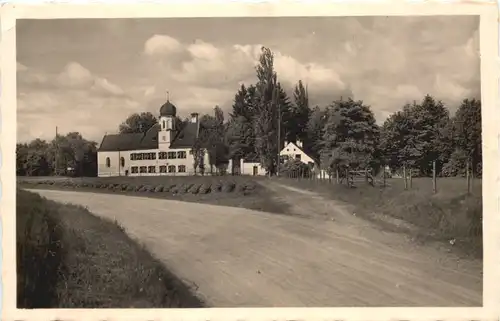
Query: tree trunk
point(404, 177)
point(434, 180)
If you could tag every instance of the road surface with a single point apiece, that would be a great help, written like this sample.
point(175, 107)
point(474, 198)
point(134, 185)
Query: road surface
point(242, 258)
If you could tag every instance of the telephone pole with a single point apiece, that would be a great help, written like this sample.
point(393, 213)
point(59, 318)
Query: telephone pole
point(56, 155)
point(279, 131)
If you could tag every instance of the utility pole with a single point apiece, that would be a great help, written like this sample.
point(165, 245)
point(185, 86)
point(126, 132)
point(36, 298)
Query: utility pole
point(56, 155)
point(279, 130)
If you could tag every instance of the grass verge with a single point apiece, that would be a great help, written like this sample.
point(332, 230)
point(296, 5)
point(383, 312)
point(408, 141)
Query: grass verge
point(450, 215)
point(69, 258)
point(233, 191)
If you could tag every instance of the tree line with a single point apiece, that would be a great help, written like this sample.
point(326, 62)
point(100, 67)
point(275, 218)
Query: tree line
point(342, 135)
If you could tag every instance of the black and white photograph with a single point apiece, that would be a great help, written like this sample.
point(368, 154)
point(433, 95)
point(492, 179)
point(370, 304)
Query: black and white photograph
point(193, 162)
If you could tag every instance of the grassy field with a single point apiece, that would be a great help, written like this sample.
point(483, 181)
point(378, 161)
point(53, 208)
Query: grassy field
point(69, 258)
point(449, 215)
point(236, 191)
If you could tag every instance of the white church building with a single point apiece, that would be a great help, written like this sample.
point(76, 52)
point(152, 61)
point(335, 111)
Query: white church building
point(159, 151)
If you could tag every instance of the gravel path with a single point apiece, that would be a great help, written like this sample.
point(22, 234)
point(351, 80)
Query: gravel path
point(243, 258)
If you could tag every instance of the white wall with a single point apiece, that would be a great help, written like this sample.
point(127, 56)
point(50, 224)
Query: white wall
point(247, 168)
point(291, 150)
point(116, 170)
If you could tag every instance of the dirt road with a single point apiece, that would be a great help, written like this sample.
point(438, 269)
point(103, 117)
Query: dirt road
point(237, 257)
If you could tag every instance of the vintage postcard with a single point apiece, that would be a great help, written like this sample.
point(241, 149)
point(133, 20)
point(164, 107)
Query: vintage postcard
point(294, 161)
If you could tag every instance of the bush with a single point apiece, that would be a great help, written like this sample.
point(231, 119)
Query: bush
point(228, 187)
point(175, 189)
point(195, 188)
point(295, 168)
point(217, 187)
point(39, 253)
point(159, 189)
point(138, 188)
point(204, 189)
point(131, 188)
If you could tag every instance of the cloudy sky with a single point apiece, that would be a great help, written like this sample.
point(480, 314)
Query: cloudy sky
point(89, 75)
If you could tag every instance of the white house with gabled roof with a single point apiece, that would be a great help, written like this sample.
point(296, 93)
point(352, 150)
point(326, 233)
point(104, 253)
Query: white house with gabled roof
point(291, 151)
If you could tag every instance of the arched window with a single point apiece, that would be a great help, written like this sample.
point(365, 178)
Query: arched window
point(122, 162)
point(164, 124)
point(108, 162)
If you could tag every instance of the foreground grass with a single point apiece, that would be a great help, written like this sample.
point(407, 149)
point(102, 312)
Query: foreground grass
point(235, 191)
point(449, 215)
point(69, 258)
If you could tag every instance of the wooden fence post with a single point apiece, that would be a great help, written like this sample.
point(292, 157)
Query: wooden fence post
point(434, 182)
point(467, 173)
point(404, 177)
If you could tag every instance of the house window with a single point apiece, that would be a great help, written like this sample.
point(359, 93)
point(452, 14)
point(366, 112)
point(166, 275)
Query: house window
point(172, 155)
point(122, 162)
point(297, 157)
point(182, 168)
point(143, 169)
point(171, 169)
point(153, 155)
point(190, 152)
point(181, 154)
point(138, 156)
point(132, 156)
point(162, 155)
point(134, 169)
point(151, 169)
point(163, 169)
point(108, 162)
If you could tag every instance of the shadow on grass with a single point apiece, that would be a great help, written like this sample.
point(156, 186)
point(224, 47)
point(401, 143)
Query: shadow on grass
point(69, 258)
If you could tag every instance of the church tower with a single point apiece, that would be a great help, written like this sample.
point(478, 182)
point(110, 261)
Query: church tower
point(167, 123)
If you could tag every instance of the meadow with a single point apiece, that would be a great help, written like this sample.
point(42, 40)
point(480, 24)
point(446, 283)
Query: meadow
point(450, 214)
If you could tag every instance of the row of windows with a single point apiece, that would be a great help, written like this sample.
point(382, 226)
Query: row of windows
point(163, 169)
point(122, 162)
point(161, 155)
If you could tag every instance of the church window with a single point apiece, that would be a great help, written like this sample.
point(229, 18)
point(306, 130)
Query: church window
point(171, 169)
point(162, 155)
point(172, 155)
point(163, 169)
point(182, 168)
point(143, 169)
point(181, 154)
point(164, 127)
point(151, 169)
point(134, 169)
point(122, 161)
point(108, 162)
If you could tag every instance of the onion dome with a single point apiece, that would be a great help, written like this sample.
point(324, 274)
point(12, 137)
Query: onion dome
point(168, 109)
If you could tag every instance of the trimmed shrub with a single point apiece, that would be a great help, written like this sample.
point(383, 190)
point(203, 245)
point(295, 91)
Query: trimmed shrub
point(131, 188)
point(217, 187)
point(159, 189)
point(138, 188)
point(195, 188)
point(204, 189)
point(175, 189)
point(184, 188)
point(228, 187)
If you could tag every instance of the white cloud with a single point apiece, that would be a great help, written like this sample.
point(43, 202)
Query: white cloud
point(160, 45)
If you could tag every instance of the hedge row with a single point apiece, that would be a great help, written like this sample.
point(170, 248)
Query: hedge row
point(180, 188)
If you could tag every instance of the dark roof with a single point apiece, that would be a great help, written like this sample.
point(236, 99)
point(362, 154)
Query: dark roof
point(149, 140)
point(168, 109)
point(186, 137)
